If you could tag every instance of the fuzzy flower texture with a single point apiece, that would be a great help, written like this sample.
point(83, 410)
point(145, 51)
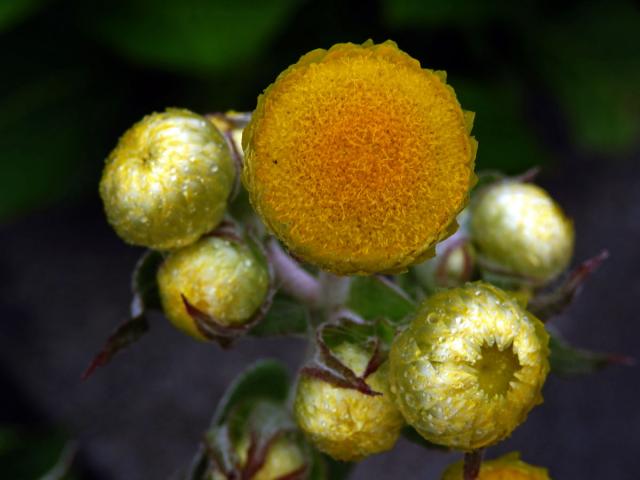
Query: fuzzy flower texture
point(470, 367)
point(519, 229)
point(358, 159)
point(167, 181)
point(219, 277)
point(344, 423)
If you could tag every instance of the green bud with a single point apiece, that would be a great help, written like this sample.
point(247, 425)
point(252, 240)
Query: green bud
point(219, 277)
point(518, 229)
point(167, 181)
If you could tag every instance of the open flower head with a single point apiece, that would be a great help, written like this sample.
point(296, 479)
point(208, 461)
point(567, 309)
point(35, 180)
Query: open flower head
point(219, 277)
point(470, 366)
point(518, 228)
point(167, 181)
point(507, 467)
point(358, 159)
point(342, 422)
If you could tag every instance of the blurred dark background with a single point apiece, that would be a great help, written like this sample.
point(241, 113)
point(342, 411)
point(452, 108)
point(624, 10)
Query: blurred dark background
point(555, 84)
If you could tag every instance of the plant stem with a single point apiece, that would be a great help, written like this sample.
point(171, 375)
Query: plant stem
point(294, 279)
point(472, 462)
point(335, 290)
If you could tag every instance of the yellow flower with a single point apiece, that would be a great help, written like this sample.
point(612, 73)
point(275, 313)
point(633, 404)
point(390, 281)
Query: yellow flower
point(507, 467)
point(344, 423)
point(358, 159)
point(220, 278)
point(519, 228)
point(167, 181)
point(283, 458)
point(470, 366)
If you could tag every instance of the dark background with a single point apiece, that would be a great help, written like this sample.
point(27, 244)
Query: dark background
point(553, 84)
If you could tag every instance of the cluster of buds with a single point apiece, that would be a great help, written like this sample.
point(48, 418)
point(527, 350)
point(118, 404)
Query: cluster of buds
point(165, 187)
point(359, 162)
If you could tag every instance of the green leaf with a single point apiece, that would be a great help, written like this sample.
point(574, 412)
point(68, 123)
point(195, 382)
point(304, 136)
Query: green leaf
point(144, 282)
point(323, 467)
point(548, 304)
point(285, 317)
point(567, 361)
point(126, 334)
point(219, 447)
point(264, 380)
point(28, 453)
point(377, 297)
point(259, 386)
point(318, 465)
point(144, 287)
point(188, 35)
point(337, 470)
point(411, 284)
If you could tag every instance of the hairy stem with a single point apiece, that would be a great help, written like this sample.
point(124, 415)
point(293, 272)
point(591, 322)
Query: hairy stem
point(472, 462)
point(335, 290)
point(294, 279)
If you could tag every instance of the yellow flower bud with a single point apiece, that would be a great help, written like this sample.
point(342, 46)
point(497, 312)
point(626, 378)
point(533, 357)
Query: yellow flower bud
point(344, 423)
point(521, 230)
point(283, 457)
point(507, 467)
point(358, 159)
point(470, 366)
point(167, 181)
point(220, 278)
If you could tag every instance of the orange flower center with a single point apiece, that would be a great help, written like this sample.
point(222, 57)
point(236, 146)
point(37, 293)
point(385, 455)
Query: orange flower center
point(358, 159)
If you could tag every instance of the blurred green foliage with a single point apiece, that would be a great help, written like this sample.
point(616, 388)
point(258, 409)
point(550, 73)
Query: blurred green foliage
point(542, 77)
point(193, 36)
point(29, 454)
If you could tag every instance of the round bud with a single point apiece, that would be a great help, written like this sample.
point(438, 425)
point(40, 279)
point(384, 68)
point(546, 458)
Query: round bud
point(344, 423)
point(469, 367)
point(284, 456)
point(518, 228)
point(219, 277)
point(167, 181)
point(508, 466)
point(358, 159)
point(453, 265)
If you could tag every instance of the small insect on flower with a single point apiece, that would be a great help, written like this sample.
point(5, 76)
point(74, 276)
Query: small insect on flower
point(507, 467)
point(470, 366)
point(344, 423)
point(221, 278)
point(519, 229)
point(167, 181)
point(358, 159)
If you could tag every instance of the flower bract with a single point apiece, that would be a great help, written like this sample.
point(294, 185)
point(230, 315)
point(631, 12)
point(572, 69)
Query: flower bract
point(342, 422)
